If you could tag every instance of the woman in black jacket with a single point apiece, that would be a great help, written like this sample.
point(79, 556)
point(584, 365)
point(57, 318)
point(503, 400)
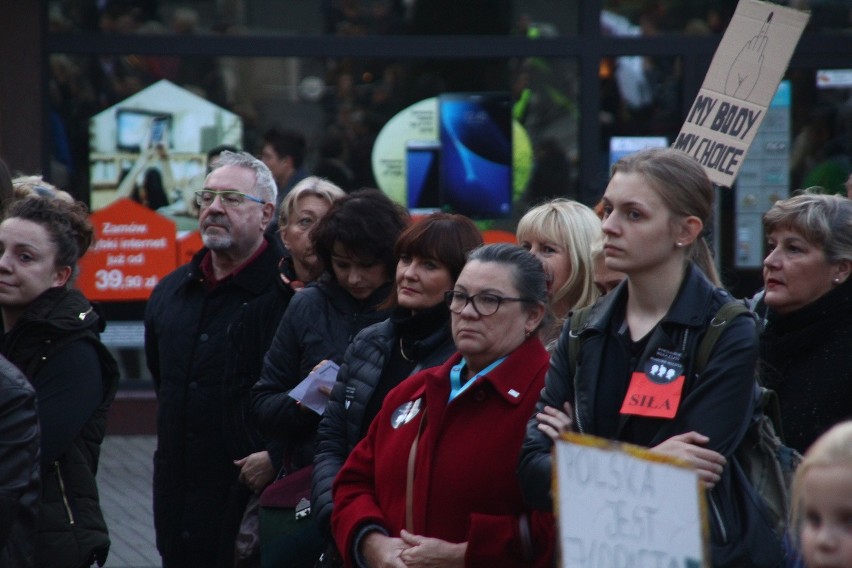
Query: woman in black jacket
point(656, 206)
point(50, 332)
point(432, 253)
point(354, 242)
point(19, 468)
point(805, 354)
point(251, 333)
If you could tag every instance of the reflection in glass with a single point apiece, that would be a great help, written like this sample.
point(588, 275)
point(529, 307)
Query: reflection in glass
point(345, 18)
point(640, 96)
point(340, 105)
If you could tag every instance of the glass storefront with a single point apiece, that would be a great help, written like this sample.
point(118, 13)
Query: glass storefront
point(362, 79)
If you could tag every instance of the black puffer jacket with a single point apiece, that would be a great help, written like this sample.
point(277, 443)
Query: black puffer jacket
point(188, 351)
point(19, 468)
point(718, 403)
point(250, 335)
point(342, 424)
point(320, 322)
point(57, 327)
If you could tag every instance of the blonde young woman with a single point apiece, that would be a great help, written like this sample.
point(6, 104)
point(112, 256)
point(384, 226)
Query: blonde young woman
point(564, 235)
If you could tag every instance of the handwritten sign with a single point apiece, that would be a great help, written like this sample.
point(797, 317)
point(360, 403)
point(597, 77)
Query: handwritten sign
point(134, 248)
point(621, 505)
point(738, 87)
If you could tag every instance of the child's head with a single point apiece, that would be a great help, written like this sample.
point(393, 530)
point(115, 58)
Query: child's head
point(822, 500)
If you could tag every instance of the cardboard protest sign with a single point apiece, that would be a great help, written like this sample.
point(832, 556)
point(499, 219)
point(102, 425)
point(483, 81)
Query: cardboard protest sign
point(134, 248)
point(621, 505)
point(740, 84)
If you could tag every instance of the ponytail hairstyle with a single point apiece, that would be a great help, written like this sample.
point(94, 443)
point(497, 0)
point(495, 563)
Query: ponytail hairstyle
point(686, 190)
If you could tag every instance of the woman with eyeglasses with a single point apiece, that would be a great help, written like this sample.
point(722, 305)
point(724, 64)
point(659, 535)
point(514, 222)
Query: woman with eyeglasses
point(354, 242)
point(431, 252)
point(433, 483)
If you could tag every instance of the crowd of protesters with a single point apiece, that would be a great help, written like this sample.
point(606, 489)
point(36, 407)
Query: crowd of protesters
point(456, 374)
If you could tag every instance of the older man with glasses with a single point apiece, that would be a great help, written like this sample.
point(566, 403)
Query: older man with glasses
point(197, 499)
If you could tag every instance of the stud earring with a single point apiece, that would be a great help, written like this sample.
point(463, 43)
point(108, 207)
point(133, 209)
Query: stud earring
point(679, 244)
point(837, 280)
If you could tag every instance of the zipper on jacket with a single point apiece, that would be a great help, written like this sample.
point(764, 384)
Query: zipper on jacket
point(577, 413)
point(718, 516)
point(64, 494)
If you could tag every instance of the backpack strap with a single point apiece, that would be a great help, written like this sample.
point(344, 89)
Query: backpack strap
point(720, 321)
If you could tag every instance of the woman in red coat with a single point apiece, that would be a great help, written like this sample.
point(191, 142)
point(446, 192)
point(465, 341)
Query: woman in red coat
point(434, 481)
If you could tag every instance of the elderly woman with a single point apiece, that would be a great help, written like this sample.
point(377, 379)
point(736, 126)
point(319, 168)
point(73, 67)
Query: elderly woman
point(433, 482)
point(563, 234)
point(805, 347)
point(416, 336)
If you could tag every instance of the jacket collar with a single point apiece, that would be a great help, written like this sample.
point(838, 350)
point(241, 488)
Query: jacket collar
point(254, 277)
point(691, 303)
point(344, 301)
point(511, 379)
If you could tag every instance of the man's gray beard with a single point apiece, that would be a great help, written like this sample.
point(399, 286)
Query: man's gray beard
point(217, 242)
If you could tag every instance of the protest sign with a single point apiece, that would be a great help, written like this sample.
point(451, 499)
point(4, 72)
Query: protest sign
point(738, 87)
point(134, 248)
point(621, 505)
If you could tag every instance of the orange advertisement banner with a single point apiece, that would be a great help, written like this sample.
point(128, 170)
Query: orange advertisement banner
point(134, 249)
point(188, 243)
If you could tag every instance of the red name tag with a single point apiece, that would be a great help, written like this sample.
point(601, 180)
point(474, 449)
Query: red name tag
point(656, 400)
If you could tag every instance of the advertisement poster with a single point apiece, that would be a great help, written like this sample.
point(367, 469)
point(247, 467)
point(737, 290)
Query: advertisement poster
point(458, 152)
point(134, 249)
point(152, 148)
point(741, 82)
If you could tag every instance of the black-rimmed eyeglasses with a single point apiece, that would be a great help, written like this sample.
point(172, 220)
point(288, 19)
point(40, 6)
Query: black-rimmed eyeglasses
point(230, 198)
point(484, 304)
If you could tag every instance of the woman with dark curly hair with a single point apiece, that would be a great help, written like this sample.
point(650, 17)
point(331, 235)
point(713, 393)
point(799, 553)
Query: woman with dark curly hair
point(355, 243)
point(50, 332)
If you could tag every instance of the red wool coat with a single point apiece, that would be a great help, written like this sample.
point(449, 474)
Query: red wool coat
point(465, 487)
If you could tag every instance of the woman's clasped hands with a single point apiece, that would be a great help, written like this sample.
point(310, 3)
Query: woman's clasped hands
point(410, 551)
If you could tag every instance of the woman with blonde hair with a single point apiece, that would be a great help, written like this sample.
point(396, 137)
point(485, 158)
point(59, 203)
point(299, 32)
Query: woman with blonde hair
point(822, 500)
point(563, 234)
point(300, 211)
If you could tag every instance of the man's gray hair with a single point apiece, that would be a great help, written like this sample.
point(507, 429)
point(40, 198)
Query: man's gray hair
point(264, 184)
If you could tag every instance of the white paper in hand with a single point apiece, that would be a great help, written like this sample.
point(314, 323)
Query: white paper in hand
point(307, 392)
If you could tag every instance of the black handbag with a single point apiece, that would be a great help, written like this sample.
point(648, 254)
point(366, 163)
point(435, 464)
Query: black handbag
point(289, 536)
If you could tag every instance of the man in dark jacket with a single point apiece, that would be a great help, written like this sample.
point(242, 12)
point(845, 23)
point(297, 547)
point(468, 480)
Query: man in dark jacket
point(187, 348)
point(19, 469)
